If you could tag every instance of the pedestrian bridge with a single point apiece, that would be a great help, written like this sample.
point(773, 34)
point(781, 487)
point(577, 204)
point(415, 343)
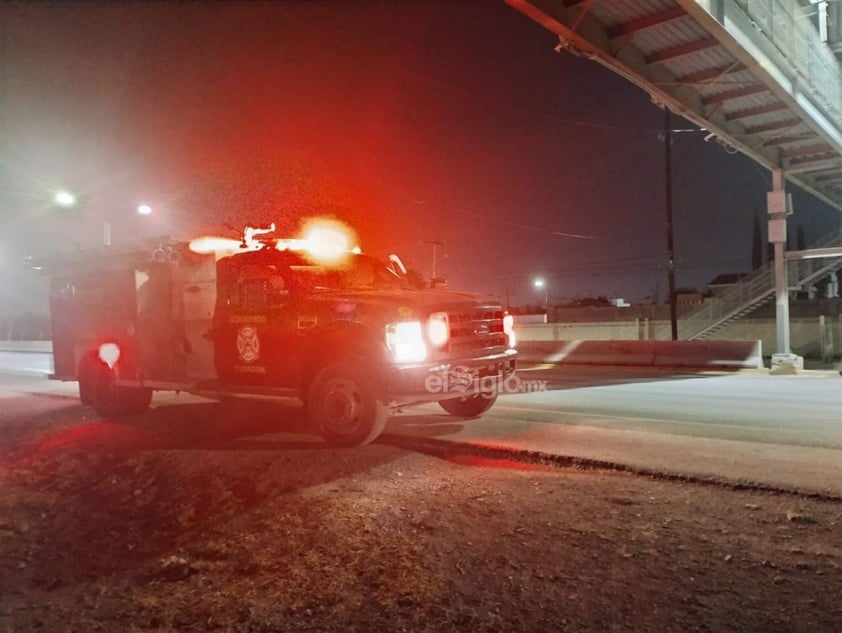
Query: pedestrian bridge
point(761, 76)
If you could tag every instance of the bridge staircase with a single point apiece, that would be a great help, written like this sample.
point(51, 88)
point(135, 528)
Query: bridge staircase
point(755, 289)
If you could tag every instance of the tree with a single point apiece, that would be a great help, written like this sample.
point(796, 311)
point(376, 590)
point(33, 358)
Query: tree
point(756, 244)
point(416, 279)
point(800, 240)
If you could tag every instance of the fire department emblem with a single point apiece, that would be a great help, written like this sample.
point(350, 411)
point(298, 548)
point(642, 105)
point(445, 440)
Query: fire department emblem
point(248, 345)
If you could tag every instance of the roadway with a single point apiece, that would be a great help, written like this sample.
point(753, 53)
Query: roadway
point(745, 427)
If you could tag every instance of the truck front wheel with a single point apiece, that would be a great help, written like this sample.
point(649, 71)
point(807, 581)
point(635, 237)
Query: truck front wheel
point(97, 388)
point(345, 407)
point(470, 406)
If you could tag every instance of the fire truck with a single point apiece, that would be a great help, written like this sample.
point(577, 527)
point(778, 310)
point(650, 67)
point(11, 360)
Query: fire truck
point(270, 318)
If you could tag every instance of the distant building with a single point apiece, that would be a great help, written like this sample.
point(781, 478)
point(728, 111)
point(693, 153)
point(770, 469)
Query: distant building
point(723, 283)
point(688, 297)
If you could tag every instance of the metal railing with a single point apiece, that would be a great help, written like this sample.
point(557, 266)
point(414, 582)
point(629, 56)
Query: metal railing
point(750, 291)
point(805, 271)
point(757, 287)
point(797, 40)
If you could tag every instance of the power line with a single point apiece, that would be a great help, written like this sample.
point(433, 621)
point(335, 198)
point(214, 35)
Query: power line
point(527, 227)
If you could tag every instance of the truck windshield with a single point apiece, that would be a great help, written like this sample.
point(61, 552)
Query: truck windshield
point(360, 272)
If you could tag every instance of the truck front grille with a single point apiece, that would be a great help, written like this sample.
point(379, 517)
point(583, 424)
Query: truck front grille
point(477, 329)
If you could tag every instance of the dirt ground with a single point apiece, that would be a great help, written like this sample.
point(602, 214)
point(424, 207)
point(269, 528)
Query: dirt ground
point(209, 518)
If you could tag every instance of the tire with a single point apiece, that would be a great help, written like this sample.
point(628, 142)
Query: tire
point(470, 406)
point(344, 405)
point(97, 388)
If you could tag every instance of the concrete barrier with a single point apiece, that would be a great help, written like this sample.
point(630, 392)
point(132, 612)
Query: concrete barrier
point(692, 354)
point(617, 352)
point(695, 354)
point(32, 347)
point(727, 354)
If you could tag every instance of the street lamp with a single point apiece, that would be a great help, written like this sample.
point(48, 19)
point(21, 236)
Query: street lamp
point(64, 199)
point(540, 284)
point(68, 200)
point(142, 209)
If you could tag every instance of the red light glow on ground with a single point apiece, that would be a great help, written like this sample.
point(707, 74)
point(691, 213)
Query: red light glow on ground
point(87, 436)
point(503, 464)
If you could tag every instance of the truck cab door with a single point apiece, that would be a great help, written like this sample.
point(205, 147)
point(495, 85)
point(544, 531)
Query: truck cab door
point(255, 342)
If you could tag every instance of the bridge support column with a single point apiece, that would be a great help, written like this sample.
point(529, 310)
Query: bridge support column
point(783, 360)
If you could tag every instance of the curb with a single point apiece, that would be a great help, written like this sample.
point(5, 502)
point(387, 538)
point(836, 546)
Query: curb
point(450, 448)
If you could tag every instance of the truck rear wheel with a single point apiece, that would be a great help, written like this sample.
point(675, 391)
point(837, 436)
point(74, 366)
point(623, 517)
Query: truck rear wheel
point(97, 388)
point(470, 406)
point(345, 407)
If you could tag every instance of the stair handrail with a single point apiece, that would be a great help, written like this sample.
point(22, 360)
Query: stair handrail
point(757, 286)
point(802, 271)
point(752, 288)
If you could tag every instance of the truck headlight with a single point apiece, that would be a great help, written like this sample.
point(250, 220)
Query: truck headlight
point(509, 329)
point(406, 341)
point(438, 329)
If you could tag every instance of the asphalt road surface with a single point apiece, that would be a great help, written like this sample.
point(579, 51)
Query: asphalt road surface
point(746, 427)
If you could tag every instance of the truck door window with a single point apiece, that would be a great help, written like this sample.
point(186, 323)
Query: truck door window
point(264, 291)
point(277, 292)
point(252, 293)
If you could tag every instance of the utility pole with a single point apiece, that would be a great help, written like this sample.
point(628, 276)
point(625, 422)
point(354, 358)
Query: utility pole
point(5, 102)
point(435, 244)
point(670, 240)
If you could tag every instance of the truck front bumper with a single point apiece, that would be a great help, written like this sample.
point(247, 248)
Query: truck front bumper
point(454, 378)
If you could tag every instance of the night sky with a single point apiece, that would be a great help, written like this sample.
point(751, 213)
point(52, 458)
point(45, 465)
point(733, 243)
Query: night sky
point(416, 121)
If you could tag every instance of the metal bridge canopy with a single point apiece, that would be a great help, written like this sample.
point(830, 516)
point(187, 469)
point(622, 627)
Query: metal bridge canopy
point(761, 76)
